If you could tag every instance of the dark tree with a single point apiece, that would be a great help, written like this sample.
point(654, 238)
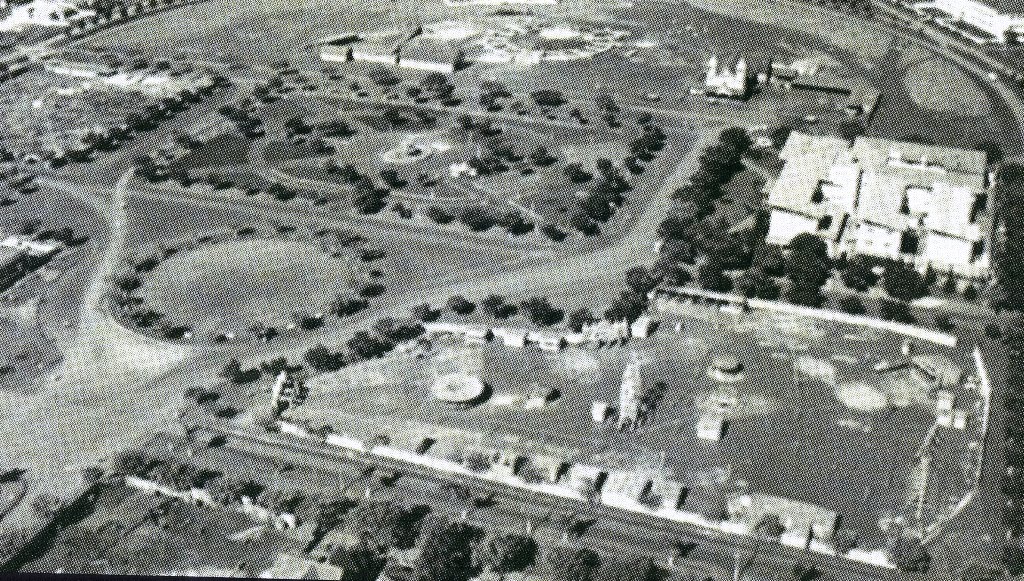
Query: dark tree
point(446, 550)
point(809, 243)
point(425, 312)
point(737, 138)
point(572, 563)
point(944, 323)
point(897, 311)
point(626, 307)
point(640, 280)
point(363, 345)
point(514, 223)
point(493, 304)
point(385, 522)
point(908, 554)
point(710, 276)
point(548, 98)
point(478, 218)
point(858, 274)
point(807, 295)
point(904, 283)
point(770, 259)
point(553, 232)
point(626, 569)
point(541, 312)
point(507, 553)
point(344, 305)
point(580, 318)
point(851, 304)
point(439, 215)
point(358, 563)
point(755, 283)
point(461, 305)
point(851, 129)
point(395, 330)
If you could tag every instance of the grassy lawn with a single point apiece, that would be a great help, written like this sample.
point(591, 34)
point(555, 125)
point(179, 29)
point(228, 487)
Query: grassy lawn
point(940, 85)
point(233, 285)
point(224, 150)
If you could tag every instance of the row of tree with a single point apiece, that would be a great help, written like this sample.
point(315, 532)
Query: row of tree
point(453, 550)
point(387, 332)
point(1013, 480)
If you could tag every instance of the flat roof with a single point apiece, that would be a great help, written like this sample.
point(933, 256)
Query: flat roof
point(872, 177)
point(425, 49)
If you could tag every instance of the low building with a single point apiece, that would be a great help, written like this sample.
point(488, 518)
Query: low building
point(78, 69)
point(460, 3)
point(380, 51)
point(706, 501)
point(336, 53)
point(802, 522)
point(995, 20)
point(18, 16)
point(642, 327)
point(427, 54)
point(665, 493)
point(624, 488)
point(471, 333)
point(711, 425)
point(609, 332)
point(511, 337)
point(920, 204)
point(629, 394)
point(12, 266)
point(546, 341)
point(19, 255)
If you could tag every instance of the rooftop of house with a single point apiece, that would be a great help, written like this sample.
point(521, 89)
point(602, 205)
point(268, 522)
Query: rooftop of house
point(824, 176)
point(377, 45)
point(430, 50)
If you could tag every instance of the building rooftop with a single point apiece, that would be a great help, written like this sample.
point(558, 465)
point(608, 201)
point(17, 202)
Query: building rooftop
point(430, 50)
point(879, 181)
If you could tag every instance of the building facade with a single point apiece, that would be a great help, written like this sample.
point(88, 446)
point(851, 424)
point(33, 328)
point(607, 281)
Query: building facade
point(723, 81)
point(994, 17)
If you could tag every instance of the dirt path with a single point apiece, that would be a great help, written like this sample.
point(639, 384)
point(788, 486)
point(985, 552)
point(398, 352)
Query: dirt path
point(78, 416)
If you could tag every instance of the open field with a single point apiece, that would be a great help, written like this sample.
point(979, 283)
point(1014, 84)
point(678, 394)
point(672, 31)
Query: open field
point(237, 284)
point(942, 86)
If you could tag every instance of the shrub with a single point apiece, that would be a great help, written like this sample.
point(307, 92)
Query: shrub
point(852, 305)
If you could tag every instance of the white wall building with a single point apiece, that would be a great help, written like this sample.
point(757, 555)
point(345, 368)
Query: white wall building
point(18, 17)
point(995, 17)
point(722, 81)
point(917, 203)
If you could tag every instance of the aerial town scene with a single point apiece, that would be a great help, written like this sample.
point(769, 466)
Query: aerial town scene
point(512, 290)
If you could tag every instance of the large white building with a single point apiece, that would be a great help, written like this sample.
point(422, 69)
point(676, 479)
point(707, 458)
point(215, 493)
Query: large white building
point(921, 204)
point(994, 17)
point(19, 16)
